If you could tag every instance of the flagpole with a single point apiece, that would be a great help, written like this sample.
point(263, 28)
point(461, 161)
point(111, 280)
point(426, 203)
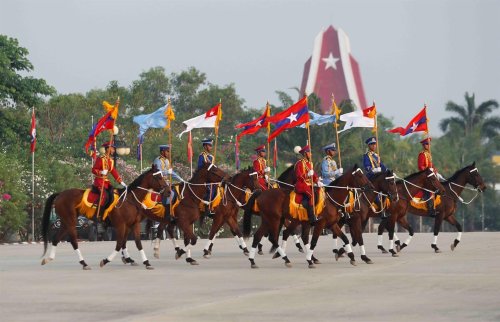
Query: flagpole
point(312, 183)
point(169, 111)
point(190, 151)
point(95, 145)
point(33, 189)
point(217, 129)
point(140, 152)
point(268, 113)
point(427, 132)
point(335, 126)
point(376, 132)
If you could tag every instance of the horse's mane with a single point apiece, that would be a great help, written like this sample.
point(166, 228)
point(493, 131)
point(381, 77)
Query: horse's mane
point(248, 169)
point(285, 173)
point(457, 173)
point(413, 175)
point(138, 180)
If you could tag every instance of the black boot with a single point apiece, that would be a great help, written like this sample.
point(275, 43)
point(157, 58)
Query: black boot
point(310, 214)
point(208, 213)
point(430, 208)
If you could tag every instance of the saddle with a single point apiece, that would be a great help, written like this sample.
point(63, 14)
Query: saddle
point(215, 202)
point(297, 210)
point(88, 205)
point(416, 202)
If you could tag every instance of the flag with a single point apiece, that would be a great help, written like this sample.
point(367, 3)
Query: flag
point(190, 148)
point(254, 126)
point(112, 108)
point(206, 120)
point(363, 118)
point(33, 131)
point(318, 119)
point(157, 120)
point(169, 115)
point(336, 111)
point(107, 122)
point(237, 154)
point(293, 116)
point(417, 124)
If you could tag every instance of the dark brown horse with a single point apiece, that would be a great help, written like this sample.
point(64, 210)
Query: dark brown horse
point(66, 205)
point(407, 189)
point(274, 208)
point(235, 194)
point(454, 187)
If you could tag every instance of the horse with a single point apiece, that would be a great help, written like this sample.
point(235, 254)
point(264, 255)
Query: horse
point(384, 184)
point(128, 215)
point(446, 210)
point(187, 211)
point(66, 205)
point(235, 196)
point(274, 208)
point(407, 189)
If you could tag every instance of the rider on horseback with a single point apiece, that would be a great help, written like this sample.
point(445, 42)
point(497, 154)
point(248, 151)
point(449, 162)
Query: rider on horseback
point(260, 166)
point(304, 172)
point(424, 162)
point(373, 165)
point(329, 170)
point(103, 165)
point(204, 158)
point(162, 163)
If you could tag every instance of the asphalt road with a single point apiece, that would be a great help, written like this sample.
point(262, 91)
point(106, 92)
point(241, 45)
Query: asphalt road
point(420, 285)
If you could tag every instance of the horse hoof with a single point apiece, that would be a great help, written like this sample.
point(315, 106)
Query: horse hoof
point(398, 248)
point(299, 247)
point(437, 251)
point(133, 263)
point(46, 261)
point(246, 253)
point(337, 257)
point(260, 252)
point(276, 255)
point(179, 253)
point(353, 262)
point(102, 263)
point(192, 261)
point(289, 265)
point(124, 260)
point(401, 247)
point(365, 259)
point(149, 267)
point(452, 247)
point(156, 255)
point(206, 256)
point(254, 266)
point(384, 251)
point(311, 266)
point(87, 268)
point(316, 261)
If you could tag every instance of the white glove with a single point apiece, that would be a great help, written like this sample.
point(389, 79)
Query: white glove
point(123, 184)
point(341, 170)
point(169, 171)
point(310, 173)
point(267, 169)
point(104, 172)
point(320, 184)
point(266, 177)
point(377, 170)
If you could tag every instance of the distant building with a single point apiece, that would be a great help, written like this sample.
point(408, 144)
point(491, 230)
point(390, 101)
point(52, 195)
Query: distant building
point(332, 69)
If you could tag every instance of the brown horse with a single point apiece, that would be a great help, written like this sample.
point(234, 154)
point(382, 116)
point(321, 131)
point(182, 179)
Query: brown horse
point(127, 216)
point(66, 204)
point(384, 184)
point(235, 195)
point(273, 205)
point(407, 189)
point(454, 187)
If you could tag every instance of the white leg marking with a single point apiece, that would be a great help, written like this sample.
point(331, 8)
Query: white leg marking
point(434, 240)
point(112, 256)
point(380, 240)
point(252, 253)
point(348, 248)
point(79, 254)
point(126, 254)
point(52, 253)
point(362, 248)
point(459, 235)
point(309, 252)
point(143, 255)
point(243, 244)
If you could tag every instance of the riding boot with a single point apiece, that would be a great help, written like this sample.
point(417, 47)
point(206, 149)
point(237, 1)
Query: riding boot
point(430, 208)
point(208, 213)
point(166, 204)
point(310, 214)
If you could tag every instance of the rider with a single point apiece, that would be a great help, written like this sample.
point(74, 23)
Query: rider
point(103, 165)
point(204, 158)
point(162, 163)
point(424, 162)
point(373, 165)
point(260, 166)
point(305, 178)
point(329, 170)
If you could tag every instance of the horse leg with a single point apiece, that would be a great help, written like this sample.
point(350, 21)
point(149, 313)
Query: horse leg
point(173, 237)
point(189, 240)
point(255, 243)
point(347, 244)
point(306, 228)
point(391, 223)
point(218, 221)
point(121, 237)
point(380, 235)
point(126, 259)
point(235, 230)
point(156, 242)
point(437, 226)
point(74, 243)
point(286, 233)
point(273, 238)
point(406, 225)
point(356, 229)
point(55, 240)
point(453, 220)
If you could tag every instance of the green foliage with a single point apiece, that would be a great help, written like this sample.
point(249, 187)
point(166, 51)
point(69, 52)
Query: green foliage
point(14, 88)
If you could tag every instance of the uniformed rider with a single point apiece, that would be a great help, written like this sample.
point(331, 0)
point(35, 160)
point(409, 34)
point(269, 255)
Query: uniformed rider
point(329, 170)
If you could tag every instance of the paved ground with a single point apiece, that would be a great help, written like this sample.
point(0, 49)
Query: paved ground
point(463, 285)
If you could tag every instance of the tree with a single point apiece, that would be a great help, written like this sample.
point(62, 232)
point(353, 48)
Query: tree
point(14, 88)
point(469, 117)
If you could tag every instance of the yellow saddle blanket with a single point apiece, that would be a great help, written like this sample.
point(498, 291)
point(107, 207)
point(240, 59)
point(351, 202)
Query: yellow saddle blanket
point(376, 205)
point(89, 209)
point(423, 205)
point(297, 211)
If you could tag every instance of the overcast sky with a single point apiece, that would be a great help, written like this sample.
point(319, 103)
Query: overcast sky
point(409, 51)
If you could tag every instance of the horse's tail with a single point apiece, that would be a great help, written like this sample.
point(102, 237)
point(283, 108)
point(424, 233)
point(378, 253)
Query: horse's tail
point(46, 220)
point(247, 216)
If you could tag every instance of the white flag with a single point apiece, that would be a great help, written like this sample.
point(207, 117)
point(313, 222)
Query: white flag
point(356, 119)
point(205, 120)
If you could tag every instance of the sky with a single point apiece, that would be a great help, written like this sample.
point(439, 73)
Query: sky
point(410, 52)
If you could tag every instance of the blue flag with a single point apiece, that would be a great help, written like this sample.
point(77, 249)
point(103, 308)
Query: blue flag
point(318, 119)
point(155, 120)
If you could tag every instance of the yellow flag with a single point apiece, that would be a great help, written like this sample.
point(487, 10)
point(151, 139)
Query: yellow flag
point(219, 116)
point(114, 108)
point(169, 115)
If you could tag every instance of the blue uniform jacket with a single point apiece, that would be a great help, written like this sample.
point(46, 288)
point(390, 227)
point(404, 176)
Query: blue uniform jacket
point(370, 161)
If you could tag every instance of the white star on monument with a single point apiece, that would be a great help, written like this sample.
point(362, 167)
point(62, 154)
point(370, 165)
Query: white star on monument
point(330, 61)
point(292, 117)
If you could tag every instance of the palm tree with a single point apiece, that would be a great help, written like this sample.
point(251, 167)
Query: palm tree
point(469, 117)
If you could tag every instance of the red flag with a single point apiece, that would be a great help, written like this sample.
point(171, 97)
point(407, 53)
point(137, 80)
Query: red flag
point(107, 122)
point(190, 148)
point(33, 131)
point(417, 124)
point(254, 126)
point(293, 116)
point(370, 111)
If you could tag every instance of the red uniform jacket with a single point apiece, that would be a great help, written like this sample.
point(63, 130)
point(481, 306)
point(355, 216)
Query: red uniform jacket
point(259, 165)
point(425, 161)
point(304, 182)
point(104, 163)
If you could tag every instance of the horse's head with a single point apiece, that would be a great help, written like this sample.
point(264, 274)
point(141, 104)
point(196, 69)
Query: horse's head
point(158, 182)
point(212, 174)
point(359, 179)
point(431, 181)
point(247, 179)
point(474, 178)
point(288, 176)
point(386, 182)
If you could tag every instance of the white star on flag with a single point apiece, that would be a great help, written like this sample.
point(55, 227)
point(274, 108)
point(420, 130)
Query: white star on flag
point(259, 123)
point(293, 117)
point(414, 126)
point(330, 61)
